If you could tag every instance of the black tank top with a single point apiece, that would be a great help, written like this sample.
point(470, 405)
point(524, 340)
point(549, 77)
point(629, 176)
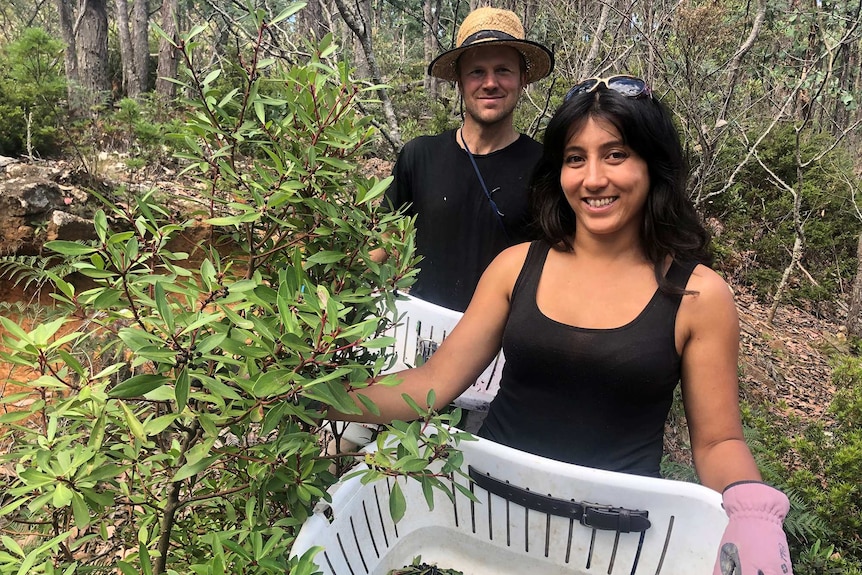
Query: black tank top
point(593, 397)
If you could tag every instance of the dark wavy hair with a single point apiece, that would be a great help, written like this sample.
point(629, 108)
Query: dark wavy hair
point(671, 225)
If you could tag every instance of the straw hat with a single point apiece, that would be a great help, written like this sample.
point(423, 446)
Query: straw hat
point(492, 26)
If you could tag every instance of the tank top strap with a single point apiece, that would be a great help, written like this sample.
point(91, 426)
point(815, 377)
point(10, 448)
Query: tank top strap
point(528, 279)
point(679, 273)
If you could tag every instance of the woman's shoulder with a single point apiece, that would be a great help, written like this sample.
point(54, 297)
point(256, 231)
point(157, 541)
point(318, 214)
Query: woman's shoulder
point(505, 268)
point(708, 290)
point(513, 256)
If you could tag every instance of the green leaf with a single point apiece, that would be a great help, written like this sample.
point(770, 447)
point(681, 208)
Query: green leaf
point(194, 468)
point(397, 503)
point(377, 190)
point(68, 248)
point(100, 222)
point(379, 343)
point(14, 329)
point(291, 9)
point(80, 511)
point(62, 495)
point(369, 405)
point(235, 318)
point(428, 492)
point(135, 426)
point(411, 443)
point(159, 424)
point(326, 257)
point(138, 385)
point(181, 389)
point(245, 218)
point(411, 464)
point(164, 306)
point(273, 382)
point(12, 545)
point(212, 76)
point(412, 403)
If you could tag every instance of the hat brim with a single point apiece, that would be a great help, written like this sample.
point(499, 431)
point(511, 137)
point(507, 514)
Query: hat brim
point(539, 60)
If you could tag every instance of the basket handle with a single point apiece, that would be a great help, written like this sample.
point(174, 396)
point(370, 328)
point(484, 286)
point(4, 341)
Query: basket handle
point(593, 515)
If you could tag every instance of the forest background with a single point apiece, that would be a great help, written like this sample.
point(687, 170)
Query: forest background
point(160, 441)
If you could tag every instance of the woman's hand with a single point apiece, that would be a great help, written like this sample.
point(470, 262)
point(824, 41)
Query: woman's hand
point(754, 542)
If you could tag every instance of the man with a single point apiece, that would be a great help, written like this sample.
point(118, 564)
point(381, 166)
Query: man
point(468, 186)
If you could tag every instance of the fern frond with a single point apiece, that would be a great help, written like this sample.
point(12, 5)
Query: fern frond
point(34, 271)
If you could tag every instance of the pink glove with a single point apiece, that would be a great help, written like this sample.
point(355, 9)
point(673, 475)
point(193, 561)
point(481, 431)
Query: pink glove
point(754, 542)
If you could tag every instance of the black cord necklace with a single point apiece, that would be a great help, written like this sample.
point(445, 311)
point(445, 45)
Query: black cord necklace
point(482, 182)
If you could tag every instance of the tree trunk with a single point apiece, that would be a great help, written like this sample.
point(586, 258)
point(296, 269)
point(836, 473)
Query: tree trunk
point(362, 21)
point(70, 57)
point(311, 20)
point(363, 34)
point(431, 12)
point(127, 53)
point(167, 68)
point(795, 258)
point(734, 68)
point(92, 48)
point(854, 317)
point(141, 43)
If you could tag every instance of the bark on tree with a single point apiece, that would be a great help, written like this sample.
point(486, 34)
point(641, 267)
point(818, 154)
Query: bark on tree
point(431, 16)
point(141, 43)
point(92, 48)
point(131, 83)
point(362, 20)
point(167, 68)
point(595, 44)
point(363, 34)
point(70, 57)
point(854, 317)
point(311, 19)
point(734, 68)
point(798, 226)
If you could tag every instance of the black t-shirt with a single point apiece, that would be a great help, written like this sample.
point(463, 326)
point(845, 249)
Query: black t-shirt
point(593, 397)
point(457, 231)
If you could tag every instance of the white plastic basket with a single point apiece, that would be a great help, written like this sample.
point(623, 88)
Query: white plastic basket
point(525, 521)
point(422, 327)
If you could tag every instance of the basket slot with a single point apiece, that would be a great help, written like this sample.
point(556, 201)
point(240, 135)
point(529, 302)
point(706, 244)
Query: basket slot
point(358, 545)
point(344, 554)
point(370, 529)
point(454, 499)
point(666, 543)
point(380, 516)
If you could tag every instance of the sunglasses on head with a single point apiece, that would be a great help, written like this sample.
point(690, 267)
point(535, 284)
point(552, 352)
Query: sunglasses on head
point(628, 86)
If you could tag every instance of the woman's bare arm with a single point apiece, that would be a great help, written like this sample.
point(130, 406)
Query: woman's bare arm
point(462, 356)
point(710, 357)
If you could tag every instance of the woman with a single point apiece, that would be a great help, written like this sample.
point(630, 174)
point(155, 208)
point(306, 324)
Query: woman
point(601, 318)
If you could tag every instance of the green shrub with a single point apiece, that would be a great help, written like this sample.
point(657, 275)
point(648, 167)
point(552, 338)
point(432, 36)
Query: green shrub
point(175, 429)
point(31, 89)
point(825, 523)
point(757, 215)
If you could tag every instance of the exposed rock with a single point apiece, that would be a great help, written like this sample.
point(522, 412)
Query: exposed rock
point(69, 227)
point(25, 203)
point(32, 197)
point(4, 161)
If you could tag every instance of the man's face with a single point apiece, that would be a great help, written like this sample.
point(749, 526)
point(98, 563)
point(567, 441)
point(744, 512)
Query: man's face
point(490, 78)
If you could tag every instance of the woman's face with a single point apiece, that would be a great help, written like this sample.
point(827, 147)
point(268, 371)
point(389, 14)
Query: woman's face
point(605, 182)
